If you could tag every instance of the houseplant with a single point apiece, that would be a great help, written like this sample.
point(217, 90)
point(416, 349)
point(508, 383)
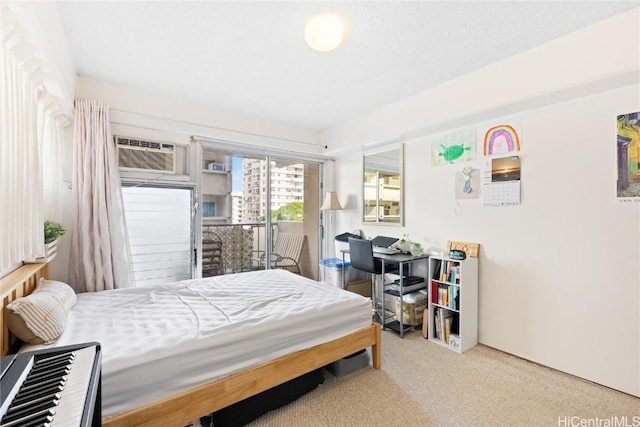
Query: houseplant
point(405, 243)
point(52, 230)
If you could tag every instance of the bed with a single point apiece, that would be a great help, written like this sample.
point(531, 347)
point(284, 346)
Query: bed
point(281, 327)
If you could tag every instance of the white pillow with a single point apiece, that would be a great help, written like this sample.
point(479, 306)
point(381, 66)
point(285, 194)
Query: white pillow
point(41, 317)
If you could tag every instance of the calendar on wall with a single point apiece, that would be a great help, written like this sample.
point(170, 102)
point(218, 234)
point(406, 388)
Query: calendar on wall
point(501, 181)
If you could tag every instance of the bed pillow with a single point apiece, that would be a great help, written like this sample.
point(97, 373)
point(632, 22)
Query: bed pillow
point(41, 317)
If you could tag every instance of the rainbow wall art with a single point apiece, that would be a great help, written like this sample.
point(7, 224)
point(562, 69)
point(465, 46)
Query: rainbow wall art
point(501, 139)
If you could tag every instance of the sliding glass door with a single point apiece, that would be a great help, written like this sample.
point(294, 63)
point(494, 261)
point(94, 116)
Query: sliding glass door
point(233, 231)
point(246, 201)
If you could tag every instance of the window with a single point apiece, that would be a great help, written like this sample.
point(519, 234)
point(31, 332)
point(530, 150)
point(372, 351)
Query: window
point(209, 209)
point(160, 228)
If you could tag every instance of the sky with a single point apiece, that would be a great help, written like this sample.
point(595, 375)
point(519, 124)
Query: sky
point(237, 174)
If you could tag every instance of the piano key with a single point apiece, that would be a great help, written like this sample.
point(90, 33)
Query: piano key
point(43, 375)
point(18, 422)
point(66, 358)
point(55, 381)
point(44, 422)
point(49, 397)
point(51, 366)
point(49, 358)
point(57, 361)
point(29, 410)
point(37, 393)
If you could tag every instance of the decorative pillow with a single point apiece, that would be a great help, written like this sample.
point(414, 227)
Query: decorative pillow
point(41, 317)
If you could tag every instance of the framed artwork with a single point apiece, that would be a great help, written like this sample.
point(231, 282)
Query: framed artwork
point(627, 155)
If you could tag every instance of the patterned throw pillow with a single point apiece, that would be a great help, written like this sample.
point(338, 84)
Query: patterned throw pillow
point(41, 317)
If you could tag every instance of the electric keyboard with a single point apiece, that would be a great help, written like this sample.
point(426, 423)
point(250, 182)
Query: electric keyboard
point(52, 387)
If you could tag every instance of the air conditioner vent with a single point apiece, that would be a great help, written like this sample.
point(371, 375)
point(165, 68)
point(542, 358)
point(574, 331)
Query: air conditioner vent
point(145, 144)
point(146, 156)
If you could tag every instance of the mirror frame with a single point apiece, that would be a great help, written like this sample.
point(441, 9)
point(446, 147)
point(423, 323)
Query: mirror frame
point(400, 168)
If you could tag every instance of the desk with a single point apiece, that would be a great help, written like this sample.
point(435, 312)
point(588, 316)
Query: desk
point(404, 263)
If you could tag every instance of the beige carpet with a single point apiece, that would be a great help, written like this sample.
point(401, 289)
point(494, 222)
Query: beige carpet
point(486, 387)
point(423, 384)
point(364, 398)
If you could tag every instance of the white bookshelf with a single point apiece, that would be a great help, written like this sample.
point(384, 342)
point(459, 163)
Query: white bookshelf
point(453, 294)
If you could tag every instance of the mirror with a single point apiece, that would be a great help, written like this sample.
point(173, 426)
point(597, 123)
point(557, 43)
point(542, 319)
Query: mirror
point(382, 186)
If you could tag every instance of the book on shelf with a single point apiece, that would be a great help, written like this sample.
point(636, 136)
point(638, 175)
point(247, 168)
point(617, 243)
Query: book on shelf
point(436, 269)
point(454, 297)
point(434, 292)
point(447, 328)
point(443, 323)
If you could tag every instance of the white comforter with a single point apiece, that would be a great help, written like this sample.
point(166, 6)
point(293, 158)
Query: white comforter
point(162, 340)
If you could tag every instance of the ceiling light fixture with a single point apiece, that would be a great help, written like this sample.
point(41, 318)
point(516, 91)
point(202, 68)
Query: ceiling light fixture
point(324, 32)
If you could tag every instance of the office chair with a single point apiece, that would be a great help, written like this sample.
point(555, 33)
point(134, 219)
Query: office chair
point(361, 255)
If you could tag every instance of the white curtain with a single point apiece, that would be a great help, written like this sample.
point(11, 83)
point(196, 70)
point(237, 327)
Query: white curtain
point(50, 129)
point(21, 216)
point(31, 123)
point(99, 249)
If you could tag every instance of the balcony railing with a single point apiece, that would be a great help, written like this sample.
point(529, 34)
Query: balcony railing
point(229, 248)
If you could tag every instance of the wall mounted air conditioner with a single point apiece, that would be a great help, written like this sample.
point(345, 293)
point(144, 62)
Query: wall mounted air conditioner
point(145, 156)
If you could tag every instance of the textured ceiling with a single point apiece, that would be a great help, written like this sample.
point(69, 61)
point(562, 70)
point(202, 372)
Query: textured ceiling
point(250, 57)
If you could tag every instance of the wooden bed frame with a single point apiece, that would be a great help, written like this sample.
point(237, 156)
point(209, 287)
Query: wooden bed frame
point(190, 405)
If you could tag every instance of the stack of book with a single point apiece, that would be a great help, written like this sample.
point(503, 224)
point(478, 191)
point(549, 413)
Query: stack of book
point(445, 295)
point(449, 272)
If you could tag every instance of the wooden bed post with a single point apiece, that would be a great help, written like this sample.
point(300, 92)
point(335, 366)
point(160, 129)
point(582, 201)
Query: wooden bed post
point(376, 354)
point(14, 285)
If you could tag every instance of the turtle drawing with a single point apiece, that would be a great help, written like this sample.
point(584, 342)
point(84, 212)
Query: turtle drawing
point(453, 152)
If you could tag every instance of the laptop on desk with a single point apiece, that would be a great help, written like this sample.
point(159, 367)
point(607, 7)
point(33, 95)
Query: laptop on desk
point(382, 245)
point(383, 242)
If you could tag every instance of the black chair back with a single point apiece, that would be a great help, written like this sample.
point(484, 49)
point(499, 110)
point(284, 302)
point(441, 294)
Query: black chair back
point(361, 255)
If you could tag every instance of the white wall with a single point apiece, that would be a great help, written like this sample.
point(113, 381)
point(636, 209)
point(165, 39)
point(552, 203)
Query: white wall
point(145, 114)
point(560, 273)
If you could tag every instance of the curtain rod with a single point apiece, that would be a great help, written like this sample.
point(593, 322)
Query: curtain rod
point(242, 148)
